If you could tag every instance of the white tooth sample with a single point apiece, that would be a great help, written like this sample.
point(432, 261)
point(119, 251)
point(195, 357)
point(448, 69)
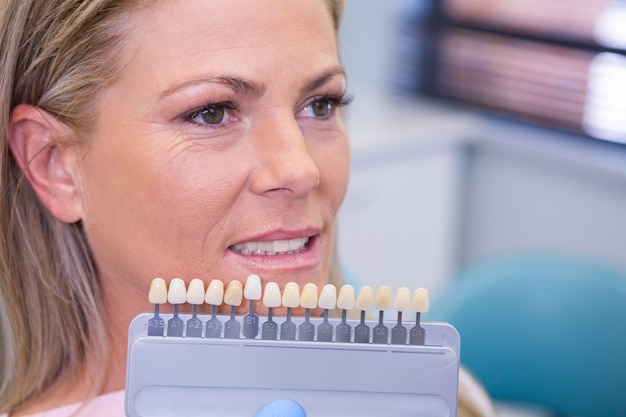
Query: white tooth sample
point(253, 289)
point(158, 291)
point(177, 293)
point(383, 298)
point(420, 300)
point(291, 295)
point(233, 296)
point(328, 297)
point(364, 299)
point(402, 300)
point(215, 293)
point(345, 299)
point(195, 292)
point(308, 298)
point(271, 295)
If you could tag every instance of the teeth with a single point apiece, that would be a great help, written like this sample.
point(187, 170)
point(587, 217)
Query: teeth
point(402, 301)
point(177, 294)
point(308, 298)
point(215, 292)
point(291, 295)
point(271, 248)
point(271, 295)
point(345, 300)
point(195, 292)
point(328, 297)
point(158, 291)
point(233, 296)
point(420, 300)
point(383, 298)
point(253, 288)
point(364, 299)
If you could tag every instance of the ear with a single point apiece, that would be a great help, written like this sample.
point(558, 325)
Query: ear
point(35, 140)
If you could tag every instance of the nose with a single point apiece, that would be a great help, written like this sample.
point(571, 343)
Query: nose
point(285, 165)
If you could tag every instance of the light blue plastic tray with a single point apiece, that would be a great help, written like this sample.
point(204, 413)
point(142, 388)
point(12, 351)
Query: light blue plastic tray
point(205, 377)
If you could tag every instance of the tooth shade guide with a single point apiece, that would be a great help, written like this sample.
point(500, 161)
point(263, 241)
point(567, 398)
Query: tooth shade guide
point(252, 291)
point(157, 295)
point(345, 301)
point(369, 372)
point(308, 300)
point(402, 303)
point(195, 297)
point(327, 301)
point(176, 295)
point(271, 299)
point(304, 329)
point(290, 299)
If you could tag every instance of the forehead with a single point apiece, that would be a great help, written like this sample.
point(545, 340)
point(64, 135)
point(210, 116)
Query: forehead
point(171, 38)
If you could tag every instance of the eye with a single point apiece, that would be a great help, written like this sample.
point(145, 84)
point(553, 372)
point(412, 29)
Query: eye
point(211, 114)
point(324, 107)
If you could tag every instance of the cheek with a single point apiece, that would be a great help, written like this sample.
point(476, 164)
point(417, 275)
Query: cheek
point(334, 164)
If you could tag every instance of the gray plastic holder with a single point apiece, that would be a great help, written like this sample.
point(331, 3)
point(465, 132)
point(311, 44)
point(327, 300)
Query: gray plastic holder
point(215, 377)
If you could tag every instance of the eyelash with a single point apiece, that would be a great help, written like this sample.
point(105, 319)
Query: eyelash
point(228, 106)
point(336, 100)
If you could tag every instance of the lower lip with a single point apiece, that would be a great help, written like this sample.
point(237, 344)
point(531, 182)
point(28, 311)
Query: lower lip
point(307, 258)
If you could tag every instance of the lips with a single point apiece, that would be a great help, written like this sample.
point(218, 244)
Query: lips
point(271, 247)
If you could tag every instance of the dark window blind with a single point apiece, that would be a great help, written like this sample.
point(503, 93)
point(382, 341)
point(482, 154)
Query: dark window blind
point(561, 63)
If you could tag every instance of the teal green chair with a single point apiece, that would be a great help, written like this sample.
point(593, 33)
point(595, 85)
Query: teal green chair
point(544, 330)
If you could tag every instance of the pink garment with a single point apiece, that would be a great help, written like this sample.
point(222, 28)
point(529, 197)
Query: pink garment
point(107, 405)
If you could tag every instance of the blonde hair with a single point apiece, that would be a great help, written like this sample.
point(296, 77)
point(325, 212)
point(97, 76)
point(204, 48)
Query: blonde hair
point(57, 55)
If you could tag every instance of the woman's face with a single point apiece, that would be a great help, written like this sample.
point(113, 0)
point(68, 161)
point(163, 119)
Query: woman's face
point(220, 151)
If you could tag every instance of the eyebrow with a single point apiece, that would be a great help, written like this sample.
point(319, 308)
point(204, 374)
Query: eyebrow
point(240, 86)
point(246, 87)
point(326, 76)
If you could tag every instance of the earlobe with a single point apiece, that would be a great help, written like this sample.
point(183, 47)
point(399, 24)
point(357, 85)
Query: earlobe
point(35, 140)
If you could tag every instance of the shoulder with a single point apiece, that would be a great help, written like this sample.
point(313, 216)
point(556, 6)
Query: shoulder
point(106, 405)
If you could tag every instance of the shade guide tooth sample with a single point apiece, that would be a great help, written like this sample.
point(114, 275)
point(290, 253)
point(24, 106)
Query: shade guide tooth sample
point(327, 301)
point(291, 295)
point(157, 296)
point(382, 301)
point(420, 300)
point(214, 296)
point(305, 328)
point(291, 299)
point(158, 291)
point(401, 303)
point(176, 295)
point(233, 296)
point(252, 291)
point(271, 295)
point(364, 301)
point(195, 297)
point(215, 292)
point(417, 335)
point(271, 299)
point(345, 301)
point(308, 300)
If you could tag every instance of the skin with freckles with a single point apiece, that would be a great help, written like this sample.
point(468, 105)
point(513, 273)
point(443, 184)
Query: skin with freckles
point(222, 129)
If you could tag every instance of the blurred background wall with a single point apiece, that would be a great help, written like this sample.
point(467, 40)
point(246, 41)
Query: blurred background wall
point(482, 127)
point(489, 144)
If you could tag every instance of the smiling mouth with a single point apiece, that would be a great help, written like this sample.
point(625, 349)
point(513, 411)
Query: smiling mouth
point(271, 248)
